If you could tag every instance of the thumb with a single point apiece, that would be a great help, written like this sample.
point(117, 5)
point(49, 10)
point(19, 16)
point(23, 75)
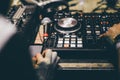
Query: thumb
point(54, 57)
point(48, 56)
point(39, 58)
point(102, 35)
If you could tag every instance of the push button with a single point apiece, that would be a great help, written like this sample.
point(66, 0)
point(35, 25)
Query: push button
point(66, 45)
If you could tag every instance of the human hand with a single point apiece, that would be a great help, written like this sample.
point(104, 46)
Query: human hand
point(45, 64)
point(112, 32)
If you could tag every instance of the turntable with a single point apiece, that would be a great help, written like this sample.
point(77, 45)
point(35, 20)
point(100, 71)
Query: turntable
point(67, 25)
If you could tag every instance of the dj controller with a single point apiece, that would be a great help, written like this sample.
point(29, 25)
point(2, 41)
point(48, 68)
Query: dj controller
point(75, 37)
point(80, 32)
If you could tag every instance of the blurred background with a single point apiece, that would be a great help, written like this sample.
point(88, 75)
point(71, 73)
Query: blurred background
point(88, 6)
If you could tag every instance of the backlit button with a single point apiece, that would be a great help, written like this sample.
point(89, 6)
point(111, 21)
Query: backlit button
point(73, 45)
point(88, 32)
point(73, 35)
point(97, 26)
point(79, 41)
point(55, 19)
point(73, 41)
point(66, 41)
point(79, 45)
point(88, 26)
point(67, 36)
point(66, 45)
point(60, 42)
point(97, 32)
point(59, 45)
point(61, 39)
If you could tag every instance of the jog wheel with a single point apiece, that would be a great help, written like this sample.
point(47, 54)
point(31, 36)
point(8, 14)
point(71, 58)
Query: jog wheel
point(67, 25)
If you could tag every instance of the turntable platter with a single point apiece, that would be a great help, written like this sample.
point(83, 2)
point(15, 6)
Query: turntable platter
point(67, 22)
point(67, 25)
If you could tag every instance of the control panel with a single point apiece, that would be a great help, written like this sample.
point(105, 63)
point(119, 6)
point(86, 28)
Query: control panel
point(80, 30)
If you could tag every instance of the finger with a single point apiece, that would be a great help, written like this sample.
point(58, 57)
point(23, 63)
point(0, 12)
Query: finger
point(58, 59)
point(102, 35)
point(119, 24)
point(44, 52)
point(56, 62)
point(114, 25)
point(54, 57)
point(48, 54)
point(39, 58)
point(36, 66)
point(34, 60)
